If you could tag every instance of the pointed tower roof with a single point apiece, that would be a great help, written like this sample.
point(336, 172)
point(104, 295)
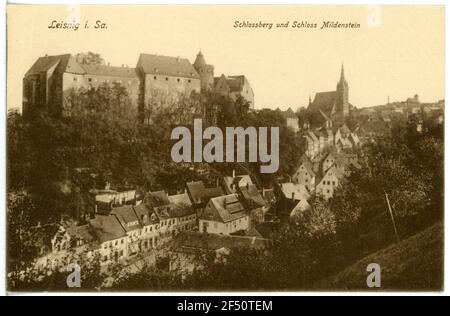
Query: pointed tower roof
point(200, 60)
point(342, 73)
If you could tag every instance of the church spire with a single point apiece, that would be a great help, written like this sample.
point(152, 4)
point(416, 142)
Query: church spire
point(342, 73)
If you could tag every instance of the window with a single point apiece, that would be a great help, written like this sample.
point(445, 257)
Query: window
point(328, 182)
point(178, 79)
point(189, 80)
point(154, 77)
point(75, 79)
point(116, 243)
point(121, 241)
point(167, 78)
point(328, 191)
point(89, 79)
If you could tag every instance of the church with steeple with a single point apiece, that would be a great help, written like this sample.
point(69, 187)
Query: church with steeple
point(334, 104)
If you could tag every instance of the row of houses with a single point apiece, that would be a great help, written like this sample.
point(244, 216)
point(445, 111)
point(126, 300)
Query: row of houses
point(320, 140)
point(128, 223)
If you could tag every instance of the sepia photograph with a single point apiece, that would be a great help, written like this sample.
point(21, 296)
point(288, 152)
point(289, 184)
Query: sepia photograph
point(224, 148)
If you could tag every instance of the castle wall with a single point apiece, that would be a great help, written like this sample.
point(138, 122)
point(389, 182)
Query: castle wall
point(163, 89)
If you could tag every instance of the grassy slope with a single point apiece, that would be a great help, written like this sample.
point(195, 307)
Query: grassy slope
point(416, 263)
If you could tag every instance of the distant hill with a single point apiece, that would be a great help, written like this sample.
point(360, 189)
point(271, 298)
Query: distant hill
point(416, 263)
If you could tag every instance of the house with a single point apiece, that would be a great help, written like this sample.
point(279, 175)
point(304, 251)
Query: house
point(224, 215)
point(292, 121)
point(235, 87)
point(184, 212)
point(105, 200)
point(312, 144)
point(328, 183)
point(301, 207)
point(111, 238)
point(200, 195)
point(149, 220)
point(130, 222)
point(231, 183)
point(305, 174)
point(254, 202)
point(289, 196)
point(71, 236)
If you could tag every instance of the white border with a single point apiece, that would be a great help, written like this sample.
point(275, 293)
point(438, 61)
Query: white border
point(187, 294)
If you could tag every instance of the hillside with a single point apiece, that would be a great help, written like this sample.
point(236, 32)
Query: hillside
point(416, 263)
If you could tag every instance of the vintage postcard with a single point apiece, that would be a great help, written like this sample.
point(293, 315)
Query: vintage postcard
point(169, 148)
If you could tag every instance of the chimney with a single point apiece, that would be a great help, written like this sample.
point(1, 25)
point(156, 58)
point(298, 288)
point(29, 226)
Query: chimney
point(247, 185)
point(234, 173)
point(293, 195)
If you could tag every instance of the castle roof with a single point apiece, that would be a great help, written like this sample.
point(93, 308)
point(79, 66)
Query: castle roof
point(234, 83)
point(200, 59)
point(166, 65)
point(63, 63)
point(109, 71)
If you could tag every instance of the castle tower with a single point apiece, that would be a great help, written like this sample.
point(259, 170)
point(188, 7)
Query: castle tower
point(342, 106)
point(205, 71)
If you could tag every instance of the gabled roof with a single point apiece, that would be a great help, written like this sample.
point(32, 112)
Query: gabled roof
point(299, 191)
point(84, 232)
point(200, 194)
point(144, 213)
point(289, 113)
point(64, 63)
point(196, 190)
point(324, 101)
point(127, 217)
point(180, 199)
point(106, 228)
point(238, 181)
point(182, 205)
point(156, 198)
point(252, 196)
point(312, 136)
point(344, 129)
point(166, 65)
point(299, 208)
point(236, 83)
point(224, 209)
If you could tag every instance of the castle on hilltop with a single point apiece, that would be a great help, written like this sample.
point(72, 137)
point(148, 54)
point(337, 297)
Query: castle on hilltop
point(50, 78)
point(333, 103)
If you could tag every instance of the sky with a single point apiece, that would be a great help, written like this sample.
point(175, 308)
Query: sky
point(397, 52)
